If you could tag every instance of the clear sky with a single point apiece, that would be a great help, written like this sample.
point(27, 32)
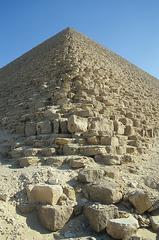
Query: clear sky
point(128, 27)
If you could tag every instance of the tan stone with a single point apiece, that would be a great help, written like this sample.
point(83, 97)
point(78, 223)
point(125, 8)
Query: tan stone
point(107, 192)
point(27, 161)
point(90, 175)
point(119, 127)
point(108, 159)
point(77, 124)
point(141, 201)
point(44, 193)
point(98, 215)
point(122, 228)
point(80, 161)
point(55, 217)
point(155, 223)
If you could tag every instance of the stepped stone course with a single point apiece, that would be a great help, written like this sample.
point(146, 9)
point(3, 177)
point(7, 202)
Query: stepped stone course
point(81, 132)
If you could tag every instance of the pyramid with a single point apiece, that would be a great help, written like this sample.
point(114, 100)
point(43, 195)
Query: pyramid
point(86, 120)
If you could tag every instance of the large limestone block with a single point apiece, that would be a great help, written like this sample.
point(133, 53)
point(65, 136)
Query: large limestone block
point(54, 217)
point(44, 127)
point(30, 129)
point(44, 193)
point(103, 126)
point(77, 124)
point(122, 228)
point(141, 201)
point(107, 192)
point(99, 214)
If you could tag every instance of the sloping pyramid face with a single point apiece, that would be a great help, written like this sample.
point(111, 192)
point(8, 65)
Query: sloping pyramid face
point(83, 124)
point(71, 69)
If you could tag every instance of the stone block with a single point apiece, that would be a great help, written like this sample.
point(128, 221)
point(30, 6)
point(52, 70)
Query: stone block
point(64, 125)
point(99, 214)
point(47, 194)
point(119, 127)
point(122, 228)
point(55, 217)
point(44, 127)
point(77, 124)
point(106, 192)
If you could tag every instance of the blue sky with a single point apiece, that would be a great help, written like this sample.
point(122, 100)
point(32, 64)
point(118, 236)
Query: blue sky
point(128, 27)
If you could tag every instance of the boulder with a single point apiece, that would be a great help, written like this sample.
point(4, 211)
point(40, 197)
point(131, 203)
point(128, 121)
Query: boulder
point(107, 191)
point(77, 124)
point(122, 228)
point(141, 200)
point(48, 194)
point(55, 217)
point(99, 214)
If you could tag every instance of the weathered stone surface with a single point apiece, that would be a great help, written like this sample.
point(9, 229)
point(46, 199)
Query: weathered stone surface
point(107, 192)
point(71, 149)
point(90, 175)
point(122, 228)
point(108, 159)
point(70, 192)
point(141, 201)
point(63, 141)
point(108, 140)
point(47, 152)
point(44, 127)
point(54, 217)
point(51, 113)
point(92, 150)
point(129, 130)
point(77, 124)
point(27, 161)
point(80, 161)
point(98, 215)
point(119, 127)
point(44, 193)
